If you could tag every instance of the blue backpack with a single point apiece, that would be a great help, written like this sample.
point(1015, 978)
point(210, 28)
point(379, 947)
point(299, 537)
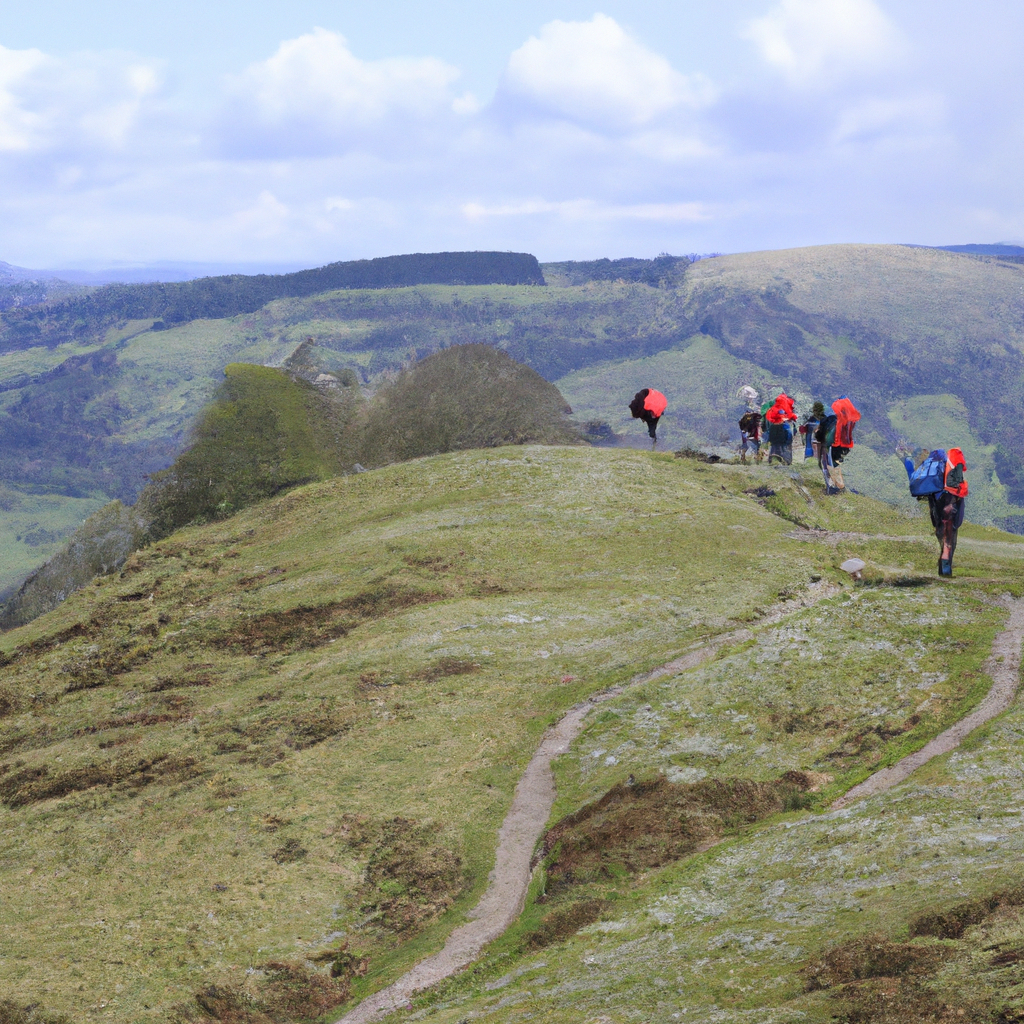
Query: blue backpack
point(930, 476)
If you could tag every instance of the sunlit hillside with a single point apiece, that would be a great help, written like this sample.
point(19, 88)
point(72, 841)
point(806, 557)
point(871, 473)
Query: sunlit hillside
point(261, 769)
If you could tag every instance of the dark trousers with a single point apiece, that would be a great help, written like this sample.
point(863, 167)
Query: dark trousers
point(947, 512)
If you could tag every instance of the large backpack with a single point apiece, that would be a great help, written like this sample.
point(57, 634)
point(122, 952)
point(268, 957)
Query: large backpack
point(749, 422)
point(930, 476)
point(826, 428)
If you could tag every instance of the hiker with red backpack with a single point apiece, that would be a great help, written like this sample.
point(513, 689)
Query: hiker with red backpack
point(941, 477)
point(781, 419)
point(648, 405)
point(835, 438)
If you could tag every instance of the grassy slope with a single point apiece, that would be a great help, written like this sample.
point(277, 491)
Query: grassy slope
point(835, 297)
point(544, 558)
point(557, 572)
point(724, 935)
point(906, 293)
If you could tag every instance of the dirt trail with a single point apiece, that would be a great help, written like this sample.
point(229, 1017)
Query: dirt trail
point(503, 900)
point(1003, 665)
point(524, 824)
point(1008, 549)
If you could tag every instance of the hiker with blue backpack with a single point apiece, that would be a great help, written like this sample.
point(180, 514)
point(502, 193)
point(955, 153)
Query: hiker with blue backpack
point(941, 477)
point(809, 426)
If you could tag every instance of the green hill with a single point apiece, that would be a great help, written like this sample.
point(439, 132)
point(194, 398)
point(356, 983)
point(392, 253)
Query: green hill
point(890, 325)
point(260, 770)
point(83, 316)
point(268, 430)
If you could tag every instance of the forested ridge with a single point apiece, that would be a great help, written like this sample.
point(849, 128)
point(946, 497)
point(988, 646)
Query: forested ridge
point(216, 297)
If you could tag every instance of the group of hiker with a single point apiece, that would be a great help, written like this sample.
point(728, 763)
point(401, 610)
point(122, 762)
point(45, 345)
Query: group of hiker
point(827, 437)
point(938, 476)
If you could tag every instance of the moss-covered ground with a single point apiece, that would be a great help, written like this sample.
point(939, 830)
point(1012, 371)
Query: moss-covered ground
point(302, 726)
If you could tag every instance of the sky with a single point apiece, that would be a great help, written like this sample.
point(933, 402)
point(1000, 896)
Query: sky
point(271, 133)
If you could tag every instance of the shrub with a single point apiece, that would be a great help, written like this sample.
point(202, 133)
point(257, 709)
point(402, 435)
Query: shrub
point(466, 396)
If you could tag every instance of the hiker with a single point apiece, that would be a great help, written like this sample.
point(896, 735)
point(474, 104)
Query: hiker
point(781, 417)
point(649, 405)
point(810, 425)
point(835, 436)
point(941, 477)
point(750, 435)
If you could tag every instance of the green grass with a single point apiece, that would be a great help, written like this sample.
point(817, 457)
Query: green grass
point(34, 528)
point(392, 645)
point(535, 564)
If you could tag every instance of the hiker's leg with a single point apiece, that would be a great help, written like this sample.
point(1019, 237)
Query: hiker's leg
point(948, 535)
point(837, 473)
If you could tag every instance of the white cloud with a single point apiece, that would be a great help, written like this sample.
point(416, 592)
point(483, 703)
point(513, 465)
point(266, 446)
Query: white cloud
point(589, 210)
point(89, 100)
point(592, 71)
point(315, 96)
point(813, 40)
point(267, 217)
point(906, 119)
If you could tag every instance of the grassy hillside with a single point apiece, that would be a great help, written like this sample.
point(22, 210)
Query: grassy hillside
point(888, 324)
point(72, 318)
point(285, 741)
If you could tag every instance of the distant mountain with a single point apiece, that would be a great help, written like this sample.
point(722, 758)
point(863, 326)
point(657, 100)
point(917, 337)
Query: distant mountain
point(10, 274)
point(996, 249)
point(216, 297)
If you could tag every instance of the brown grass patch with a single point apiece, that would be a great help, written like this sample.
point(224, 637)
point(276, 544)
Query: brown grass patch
point(268, 739)
point(909, 1000)
point(32, 785)
point(444, 668)
point(12, 1013)
point(409, 879)
point(653, 822)
point(564, 922)
point(192, 675)
point(98, 665)
point(312, 626)
point(290, 851)
point(9, 703)
point(277, 993)
point(876, 981)
point(855, 744)
point(873, 956)
point(172, 708)
point(952, 923)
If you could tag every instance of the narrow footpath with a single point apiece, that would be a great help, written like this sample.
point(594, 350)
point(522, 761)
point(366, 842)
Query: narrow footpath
point(1003, 665)
point(503, 900)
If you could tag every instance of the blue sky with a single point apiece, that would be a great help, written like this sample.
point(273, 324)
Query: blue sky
point(312, 131)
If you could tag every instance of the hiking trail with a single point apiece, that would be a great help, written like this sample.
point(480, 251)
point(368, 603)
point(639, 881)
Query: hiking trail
point(1003, 665)
point(503, 900)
